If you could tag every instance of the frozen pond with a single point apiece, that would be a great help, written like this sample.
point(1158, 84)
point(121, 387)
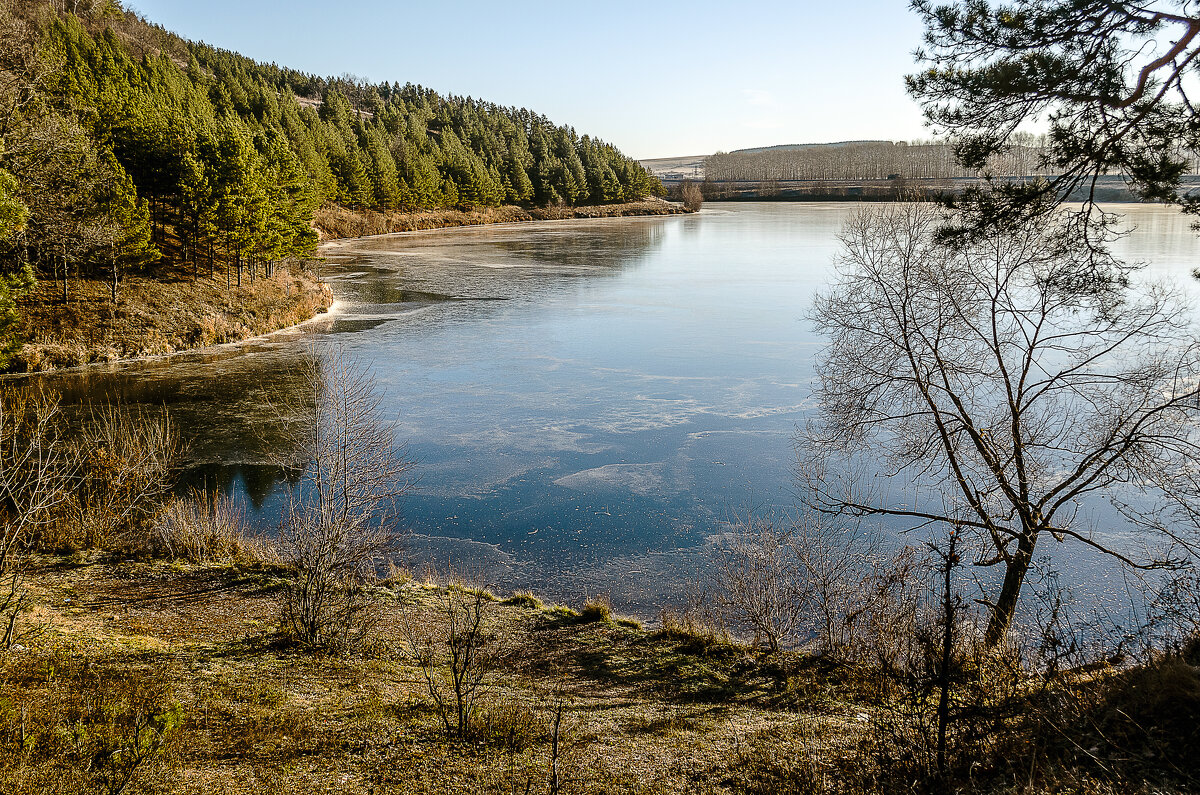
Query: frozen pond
point(586, 400)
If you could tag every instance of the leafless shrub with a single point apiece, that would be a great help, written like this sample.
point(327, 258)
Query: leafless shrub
point(338, 526)
point(209, 528)
point(15, 606)
point(759, 581)
point(34, 472)
point(813, 581)
point(326, 606)
point(691, 195)
point(456, 651)
point(78, 725)
point(34, 477)
point(1173, 622)
point(126, 460)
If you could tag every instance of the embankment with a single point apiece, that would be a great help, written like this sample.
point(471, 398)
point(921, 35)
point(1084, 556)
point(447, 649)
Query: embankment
point(158, 316)
point(335, 223)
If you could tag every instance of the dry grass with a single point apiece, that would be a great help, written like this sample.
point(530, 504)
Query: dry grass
point(335, 222)
point(210, 528)
point(256, 717)
point(195, 648)
point(156, 316)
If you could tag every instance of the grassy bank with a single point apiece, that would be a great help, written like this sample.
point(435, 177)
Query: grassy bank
point(186, 663)
point(177, 311)
point(335, 222)
point(194, 651)
point(157, 315)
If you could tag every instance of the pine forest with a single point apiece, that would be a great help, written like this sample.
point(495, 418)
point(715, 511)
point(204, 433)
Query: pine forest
point(124, 148)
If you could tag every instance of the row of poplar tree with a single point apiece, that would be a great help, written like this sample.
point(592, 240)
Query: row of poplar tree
point(120, 141)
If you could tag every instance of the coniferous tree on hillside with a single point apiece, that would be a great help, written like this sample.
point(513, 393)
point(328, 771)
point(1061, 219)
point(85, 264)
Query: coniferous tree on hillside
point(124, 147)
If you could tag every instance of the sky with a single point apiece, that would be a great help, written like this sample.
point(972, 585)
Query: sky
point(657, 78)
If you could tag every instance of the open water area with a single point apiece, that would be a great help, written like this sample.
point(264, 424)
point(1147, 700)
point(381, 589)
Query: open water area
point(587, 402)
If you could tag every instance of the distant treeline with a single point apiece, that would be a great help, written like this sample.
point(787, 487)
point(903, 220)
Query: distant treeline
point(876, 160)
point(123, 145)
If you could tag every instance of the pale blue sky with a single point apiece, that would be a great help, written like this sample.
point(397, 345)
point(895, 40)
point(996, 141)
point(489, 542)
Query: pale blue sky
point(655, 78)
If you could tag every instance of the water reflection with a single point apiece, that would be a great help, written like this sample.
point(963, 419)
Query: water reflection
point(227, 407)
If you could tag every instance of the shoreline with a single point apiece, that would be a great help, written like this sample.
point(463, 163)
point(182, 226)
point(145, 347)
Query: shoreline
point(221, 347)
point(339, 223)
point(50, 353)
point(159, 319)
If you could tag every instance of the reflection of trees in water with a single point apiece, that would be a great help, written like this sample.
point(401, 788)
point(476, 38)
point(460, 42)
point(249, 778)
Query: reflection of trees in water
point(222, 405)
point(606, 250)
point(443, 267)
point(256, 482)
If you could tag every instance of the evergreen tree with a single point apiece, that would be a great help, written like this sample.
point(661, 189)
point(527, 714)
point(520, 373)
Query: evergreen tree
point(13, 212)
point(1112, 78)
point(119, 223)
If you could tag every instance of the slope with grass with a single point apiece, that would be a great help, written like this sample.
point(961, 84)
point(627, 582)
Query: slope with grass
point(642, 711)
point(161, 314)
point(175, 675)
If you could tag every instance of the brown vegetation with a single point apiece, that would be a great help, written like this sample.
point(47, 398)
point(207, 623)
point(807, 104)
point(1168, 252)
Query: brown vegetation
point(334, 222)
point(183, 663)
point(338, 527)
point(158, 316)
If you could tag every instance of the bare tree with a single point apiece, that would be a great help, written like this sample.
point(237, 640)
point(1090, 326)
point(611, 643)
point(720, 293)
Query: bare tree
point(812, 579)
point(340, 518)
point(34, 477)
point(455, 650)
point(33, 470)
point(1007, 380)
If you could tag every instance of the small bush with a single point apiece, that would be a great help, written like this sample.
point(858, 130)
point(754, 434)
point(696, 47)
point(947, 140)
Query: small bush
point(524, 599)
point(596, 609)
point(690, 195)
point(456, 651)
point(126, 462)
point(508, 724)
point(72, 725)
point(561, 613)
point(205, 528)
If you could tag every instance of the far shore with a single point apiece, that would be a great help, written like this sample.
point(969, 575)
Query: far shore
point(339, 223)
point(189, 313)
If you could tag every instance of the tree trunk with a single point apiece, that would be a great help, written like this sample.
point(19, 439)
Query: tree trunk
point(1006, 604)
point(113, 254)
point(949, 605)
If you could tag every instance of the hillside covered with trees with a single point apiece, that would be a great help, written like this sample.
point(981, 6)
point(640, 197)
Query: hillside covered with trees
point(1026, 155)
point(125, 148)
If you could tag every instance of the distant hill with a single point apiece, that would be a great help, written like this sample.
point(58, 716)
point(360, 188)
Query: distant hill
point(118, 134)
point(792, 147)
point(676, 168)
